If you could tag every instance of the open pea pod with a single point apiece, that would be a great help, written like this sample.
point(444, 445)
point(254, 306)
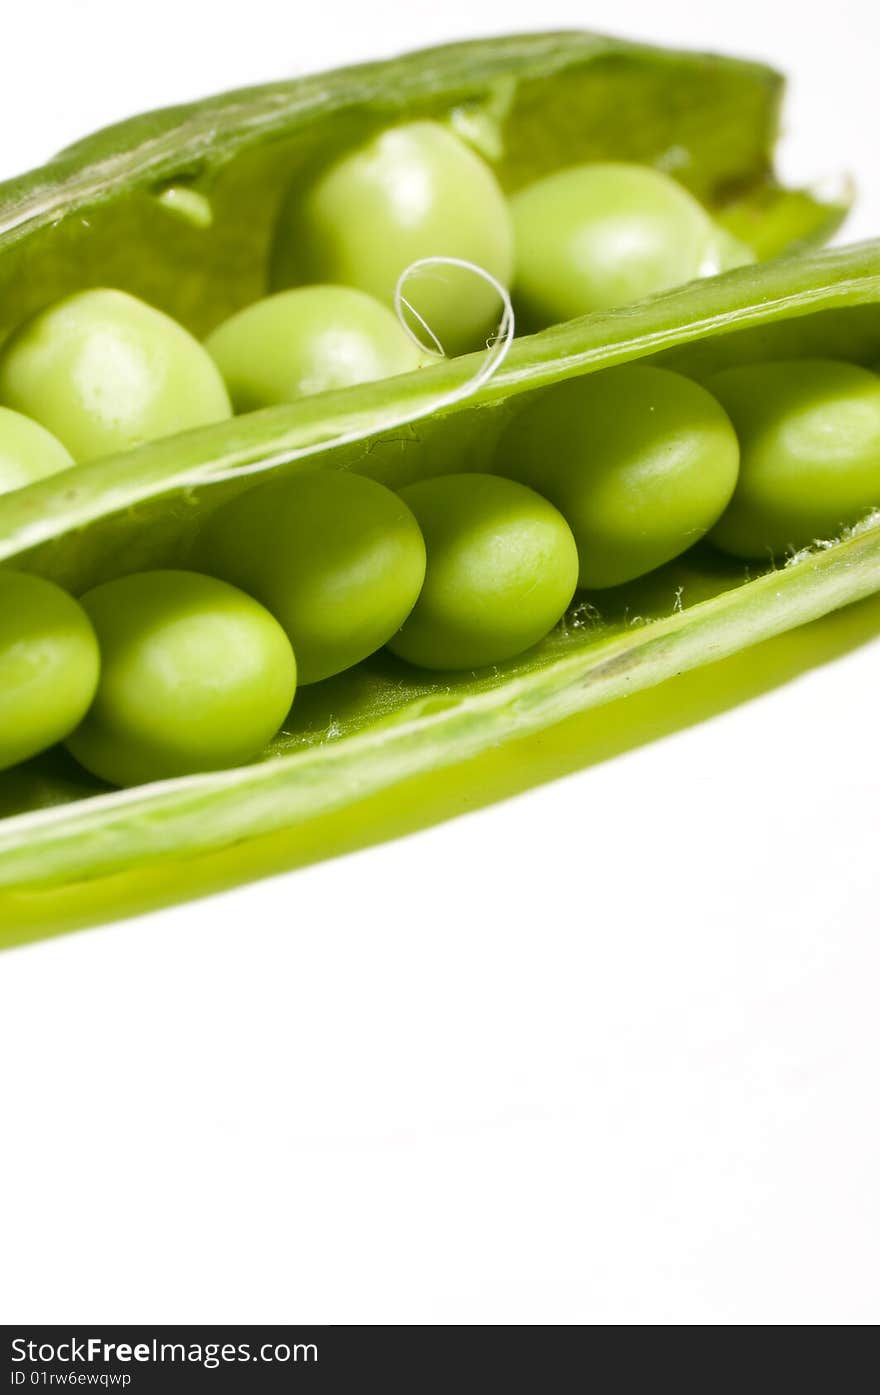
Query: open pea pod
point(178, 207)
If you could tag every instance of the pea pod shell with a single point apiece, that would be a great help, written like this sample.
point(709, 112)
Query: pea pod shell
point(70, 852)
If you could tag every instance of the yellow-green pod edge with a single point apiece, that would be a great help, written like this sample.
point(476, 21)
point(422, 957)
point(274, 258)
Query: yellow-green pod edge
point(381, 750)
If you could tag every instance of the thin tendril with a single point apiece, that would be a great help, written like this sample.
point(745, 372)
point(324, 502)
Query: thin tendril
point(403, 302)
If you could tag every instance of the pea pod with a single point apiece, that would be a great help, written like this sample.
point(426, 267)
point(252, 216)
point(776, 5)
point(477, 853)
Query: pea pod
point(178, 207)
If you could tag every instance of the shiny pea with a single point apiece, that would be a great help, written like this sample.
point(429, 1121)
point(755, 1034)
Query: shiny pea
point(810, 436)
point(308, 340)
point(195, 676)
point(338, 558)
point(48, 665)
point(502, 568)
point(640, 460)
point(599, 235)
point(104, 372)
point(412, 191)
point(28, 451)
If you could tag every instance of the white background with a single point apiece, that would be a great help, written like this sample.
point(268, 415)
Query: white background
point(605, 1053)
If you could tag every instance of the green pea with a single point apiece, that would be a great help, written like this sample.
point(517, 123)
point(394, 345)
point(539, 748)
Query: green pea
point(413, 191)
point(48, 665)
point(336, 557)
point(641, 461)
point(810, 437)
point(309, 340)
point(28, 451)
point(195, 676)
point(104, 372)
point(595, 236)
point(502, 568)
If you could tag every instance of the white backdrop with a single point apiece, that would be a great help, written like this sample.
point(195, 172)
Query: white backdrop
point(607, 1052)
